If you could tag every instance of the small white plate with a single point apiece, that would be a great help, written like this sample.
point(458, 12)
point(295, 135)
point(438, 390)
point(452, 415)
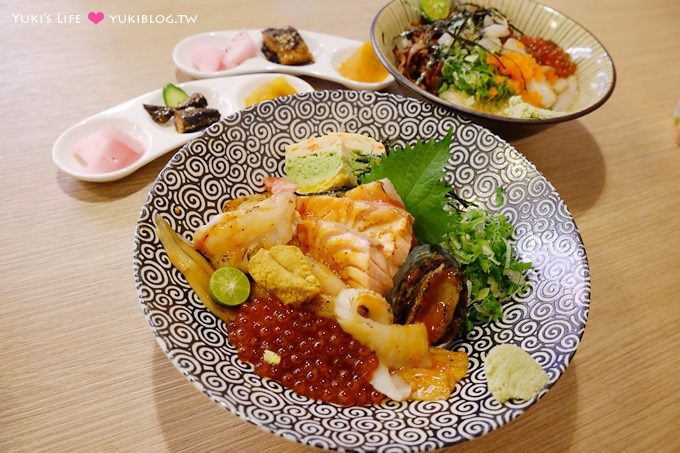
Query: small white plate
point(328, 50)
point(225, 94)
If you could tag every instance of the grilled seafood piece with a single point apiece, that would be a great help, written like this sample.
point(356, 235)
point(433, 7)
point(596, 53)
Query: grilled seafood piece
point(194, 119)
point(386, 225)
point(196, 100)
point(162, 114)
point(430, 288)
point(285, 46)
point(159, 113)
point(232, 237)
point(353, 256)
point(380, 191)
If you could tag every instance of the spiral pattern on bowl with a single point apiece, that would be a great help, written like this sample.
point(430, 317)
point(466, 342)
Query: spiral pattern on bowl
point(548, 321)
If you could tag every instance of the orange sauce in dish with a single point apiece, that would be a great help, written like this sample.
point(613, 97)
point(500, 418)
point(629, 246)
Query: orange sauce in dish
point(438, 381)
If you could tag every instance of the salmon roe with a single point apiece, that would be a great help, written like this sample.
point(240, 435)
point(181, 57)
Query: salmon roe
point(317, 358)
point(548, 53)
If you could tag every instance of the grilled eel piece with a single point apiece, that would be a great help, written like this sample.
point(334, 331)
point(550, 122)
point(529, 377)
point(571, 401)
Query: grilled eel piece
point(162, 114)
point(194, 119)
point(190, 115)
point(285, 46)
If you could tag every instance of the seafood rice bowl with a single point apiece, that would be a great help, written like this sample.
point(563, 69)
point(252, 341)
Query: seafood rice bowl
point(498, 62)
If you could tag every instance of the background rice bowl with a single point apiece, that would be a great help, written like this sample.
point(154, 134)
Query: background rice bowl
point(596, 73)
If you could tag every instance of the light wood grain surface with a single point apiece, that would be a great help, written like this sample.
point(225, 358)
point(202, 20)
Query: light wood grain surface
point(79, 367)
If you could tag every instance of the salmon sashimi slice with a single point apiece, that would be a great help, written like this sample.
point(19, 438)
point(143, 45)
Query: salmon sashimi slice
point(232, 237)
point(385, 224)
point(355, 257)
point(382, 191)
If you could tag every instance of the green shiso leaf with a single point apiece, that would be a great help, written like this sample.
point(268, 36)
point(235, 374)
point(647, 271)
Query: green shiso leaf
point(417, 175)
point(480, 240)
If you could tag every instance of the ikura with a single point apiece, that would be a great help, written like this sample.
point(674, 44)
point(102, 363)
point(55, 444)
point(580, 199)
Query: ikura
point(317, 358)
point(548, 53)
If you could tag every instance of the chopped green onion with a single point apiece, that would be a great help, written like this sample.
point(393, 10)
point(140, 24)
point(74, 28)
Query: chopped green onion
point(481, 242)
point(500, 197)
point(271, 357)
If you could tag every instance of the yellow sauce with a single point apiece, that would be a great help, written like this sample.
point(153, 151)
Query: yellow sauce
point(363, 65)
point(438, 381)
point(273, 89)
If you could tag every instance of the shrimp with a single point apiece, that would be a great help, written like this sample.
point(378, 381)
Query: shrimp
point(232, 237)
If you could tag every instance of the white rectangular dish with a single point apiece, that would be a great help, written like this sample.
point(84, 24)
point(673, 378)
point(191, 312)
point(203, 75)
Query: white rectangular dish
point(226, 94)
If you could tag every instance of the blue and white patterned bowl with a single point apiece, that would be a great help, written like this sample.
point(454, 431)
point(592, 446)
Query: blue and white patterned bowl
point(231, 158)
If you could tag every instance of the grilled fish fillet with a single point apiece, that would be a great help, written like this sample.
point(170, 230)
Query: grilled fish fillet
point(355, 257)
point(285, 46)
point(381, 191)
point(389, 228)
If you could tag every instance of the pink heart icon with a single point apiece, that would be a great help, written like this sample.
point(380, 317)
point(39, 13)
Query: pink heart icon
point(95, 17)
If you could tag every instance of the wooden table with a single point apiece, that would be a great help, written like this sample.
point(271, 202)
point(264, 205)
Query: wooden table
point(79, 367)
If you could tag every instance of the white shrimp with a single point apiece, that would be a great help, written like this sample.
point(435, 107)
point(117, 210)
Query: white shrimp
point(232, 237)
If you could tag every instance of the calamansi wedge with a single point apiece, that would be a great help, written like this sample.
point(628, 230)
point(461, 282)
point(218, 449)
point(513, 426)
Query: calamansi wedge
point(229, 286)
point(435, 9)
point(193, 266)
